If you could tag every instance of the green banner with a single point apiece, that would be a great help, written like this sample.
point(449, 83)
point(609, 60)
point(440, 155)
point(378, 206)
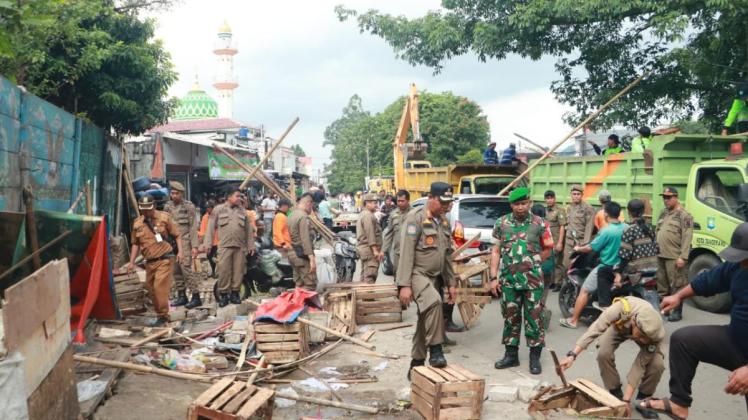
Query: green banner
point(221, 167)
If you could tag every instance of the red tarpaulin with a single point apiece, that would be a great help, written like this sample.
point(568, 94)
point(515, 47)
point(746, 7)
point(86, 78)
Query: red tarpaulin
point(287, 307)
point(92, 287)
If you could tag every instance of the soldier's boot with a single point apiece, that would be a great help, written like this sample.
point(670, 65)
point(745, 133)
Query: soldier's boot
point(449, 325)
point(195, 302)
point(676, 314)
point(223, 300)
point(511, 358)
point(235, 299)
point(535, 367)
point(436, 356)
point(181, 298)
point(415, 363)
point(646, 413)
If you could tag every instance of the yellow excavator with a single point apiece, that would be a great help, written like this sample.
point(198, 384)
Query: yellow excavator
point(415, 174)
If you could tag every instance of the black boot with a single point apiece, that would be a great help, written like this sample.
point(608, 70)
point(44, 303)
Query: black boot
point(511, 358)
point(195, 302)
point(223, 300)
point(181, 298)
point(436, 356)
point(617, 393)
point(158, 321)
point(535, 367)
point(235, 299)
point(645, 412)
point(415, 363)
point(676, 314)
point(449, 325)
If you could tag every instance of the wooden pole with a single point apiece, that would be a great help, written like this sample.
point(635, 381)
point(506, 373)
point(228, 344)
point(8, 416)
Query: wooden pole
point(151, 337)
point(253, 376)
point(465, 246)
point(141, 368)
point(89, 204)
point(328, 403)
point(34, 254)
point(330, 331)
point(128, 184)
point(33, 237)
point(265, 158)
point(75, 203)
point(572, 132)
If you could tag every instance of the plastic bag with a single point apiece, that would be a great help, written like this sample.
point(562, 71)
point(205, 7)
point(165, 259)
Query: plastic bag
point(269, 264)
point(325, 268)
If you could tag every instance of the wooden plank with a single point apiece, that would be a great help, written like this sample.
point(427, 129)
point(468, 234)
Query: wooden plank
point(456, 253)
point(446, 375)
point(468, 374)
point(596, 392)
point(454, 372)
point(428, 373)
point(479, 300)
point(472, 271)
point(200, 412)
point(457, 401)
point(213, 391)
point(367, 335)
point(278, 346)
point(267, 327)
point(225, 396)
point(233, 406)
point(264, 338)
point(108, 375)
point(423, 407)
point(421, 382)
point(281, 357)
point(379, 319)
point(261, 397)
point(151, 337)
point(381, 304)
point(461, 386)
point(56, 396)
point(457, 413)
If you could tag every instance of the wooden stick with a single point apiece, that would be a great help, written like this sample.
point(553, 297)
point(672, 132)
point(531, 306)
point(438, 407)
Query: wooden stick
point(376, 354)
point(328, 403)
point(367, 335)
point(75, 203)
point(254, 374)
point(465, 246)
point(151, 337)
point(128, 184)
point(541, 148)
point(243, 354)
point(573, 131)
point(331, 380)
point(265, 158)
point(559, 370)
point(89, 204)
point(324, 382)
point(141, 368)
point(395, 327)
point(35, 253)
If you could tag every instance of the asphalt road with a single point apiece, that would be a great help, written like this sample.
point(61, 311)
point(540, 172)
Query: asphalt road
point(480, 346)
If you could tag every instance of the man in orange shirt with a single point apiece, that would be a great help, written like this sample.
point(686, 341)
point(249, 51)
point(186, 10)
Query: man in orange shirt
point(600, 220)
point(281, 235)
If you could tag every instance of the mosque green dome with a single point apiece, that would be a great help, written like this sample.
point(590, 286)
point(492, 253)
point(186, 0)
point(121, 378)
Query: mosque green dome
point(196, 105)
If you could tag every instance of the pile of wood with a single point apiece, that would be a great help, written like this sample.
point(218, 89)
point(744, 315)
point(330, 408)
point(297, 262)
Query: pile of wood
point(580, 398)
point(233, 400)
point(131, 293)
point(471, 298)
point(281, 343)
point(341, 304)
point(375, 303)
point(452, 392)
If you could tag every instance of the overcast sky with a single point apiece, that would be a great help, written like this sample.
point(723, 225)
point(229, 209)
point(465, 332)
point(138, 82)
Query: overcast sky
point(296, 59)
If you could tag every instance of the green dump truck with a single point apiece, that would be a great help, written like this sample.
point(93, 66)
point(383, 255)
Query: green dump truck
point(710, 173)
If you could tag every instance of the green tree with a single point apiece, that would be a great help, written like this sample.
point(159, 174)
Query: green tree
point(697, 49)
point(298, 151)
point(97, 59)
point(451, 125)
point(473, 156)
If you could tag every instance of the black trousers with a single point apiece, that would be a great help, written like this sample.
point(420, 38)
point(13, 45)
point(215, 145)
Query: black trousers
point(701, 343)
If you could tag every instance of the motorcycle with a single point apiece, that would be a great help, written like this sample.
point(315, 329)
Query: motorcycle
point(346, 255)
point(580, 267)
point(266, 268)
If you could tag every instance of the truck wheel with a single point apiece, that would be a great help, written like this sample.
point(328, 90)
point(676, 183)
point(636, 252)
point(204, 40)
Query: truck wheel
point(720, 303)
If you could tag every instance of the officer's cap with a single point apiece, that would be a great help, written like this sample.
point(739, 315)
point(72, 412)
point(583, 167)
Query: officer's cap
point(442, 191)
point(519, 194)
point(146, 203)
point(577, 187)
point(550, 194)
point(649, 322)
point(370, 197)
point(176, 186)
point(669, 192)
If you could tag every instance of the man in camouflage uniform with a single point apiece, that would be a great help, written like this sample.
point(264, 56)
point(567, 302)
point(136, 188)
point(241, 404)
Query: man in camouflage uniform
point(369, 239)
point(185, 217)
point(674, 233)
point(581, 221)
point(516, 257)
point(556, 218)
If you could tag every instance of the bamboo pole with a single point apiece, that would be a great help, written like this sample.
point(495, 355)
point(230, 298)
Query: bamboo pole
point(34, 254)
point(151, 337)
point(75, 203)
point(89, 204)
point(128, 184)
point(573, 131)
point(253, 376)
point(328, 403)
point(141, 368)
point(265, 158)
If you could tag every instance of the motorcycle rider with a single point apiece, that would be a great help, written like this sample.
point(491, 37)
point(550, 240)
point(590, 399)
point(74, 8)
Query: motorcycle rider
point(606, 244)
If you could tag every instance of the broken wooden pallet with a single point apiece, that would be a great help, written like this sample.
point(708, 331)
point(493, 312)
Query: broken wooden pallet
point(233, 400)
point(281, 343)
point(581, 398)
point(452, 392)
point(375, 303)
point(470, 300)
point(341, 304)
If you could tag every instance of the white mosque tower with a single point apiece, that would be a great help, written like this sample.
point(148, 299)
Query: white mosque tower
point(225, 81)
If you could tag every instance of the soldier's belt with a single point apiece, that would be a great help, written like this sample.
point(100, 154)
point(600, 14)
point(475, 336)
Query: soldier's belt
point(163, 257)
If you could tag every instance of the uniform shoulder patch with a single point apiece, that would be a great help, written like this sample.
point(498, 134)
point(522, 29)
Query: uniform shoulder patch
point(411, 229)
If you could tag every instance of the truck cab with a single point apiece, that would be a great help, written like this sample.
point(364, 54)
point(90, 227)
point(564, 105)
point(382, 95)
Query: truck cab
point(485, 184)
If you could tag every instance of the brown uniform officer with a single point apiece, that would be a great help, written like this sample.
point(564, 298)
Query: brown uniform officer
point(184, 215)
point(369, 237)
point(581, 220)
point(302, 257)
point(151, 234)
point(674, 233)
point(556, 218)
point(236, 239)
point(628, 318)
point(425, 266)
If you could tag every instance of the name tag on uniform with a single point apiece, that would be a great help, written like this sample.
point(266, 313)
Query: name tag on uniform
point(159, 238)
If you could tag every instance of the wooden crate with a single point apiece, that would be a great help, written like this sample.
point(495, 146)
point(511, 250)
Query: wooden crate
point(452, 392)
point(281, 343)
point(341, 305)
point(471, 300)
point(232, 400)
point(130, 293)
point(581, 398)
point(377, 304)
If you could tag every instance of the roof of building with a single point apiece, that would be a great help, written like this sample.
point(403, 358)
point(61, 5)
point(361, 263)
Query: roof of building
point(210, 124)
point(196, 104)
point(225, 28)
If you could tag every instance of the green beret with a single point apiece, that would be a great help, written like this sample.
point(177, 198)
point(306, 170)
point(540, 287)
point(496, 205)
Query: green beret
point(521, 193)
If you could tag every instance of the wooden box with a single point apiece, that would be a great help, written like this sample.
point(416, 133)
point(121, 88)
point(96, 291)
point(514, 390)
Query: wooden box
point(582, 398)
point(131, 293)
point(452, 392)
point(377, 304)
point(233, 400)
point(281, 343)
point(470, 299)
point(341, 304)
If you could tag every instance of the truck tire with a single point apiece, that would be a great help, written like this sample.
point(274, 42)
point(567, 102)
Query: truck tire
point(720, 303)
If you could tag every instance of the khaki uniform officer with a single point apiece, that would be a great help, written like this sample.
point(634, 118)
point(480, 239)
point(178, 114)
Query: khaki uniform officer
point(391, 235)
point(556, 217)
point(425, 267)
point(236, 239)
point(151, 234)
point(628, 318)
point(674, 233)
point(184, 215)
point(581, 219)
point(302, 257)
point(369, 237)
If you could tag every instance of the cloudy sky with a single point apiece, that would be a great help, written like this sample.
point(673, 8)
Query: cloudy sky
point(296, 59)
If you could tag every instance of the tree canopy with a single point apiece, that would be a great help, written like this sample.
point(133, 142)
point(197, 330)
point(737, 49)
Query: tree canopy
point(697, 49)
point(298, 151)
point(451, 125)
point(96, 59)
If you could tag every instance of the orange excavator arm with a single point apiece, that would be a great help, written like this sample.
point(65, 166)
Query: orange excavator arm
point(408, 121)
